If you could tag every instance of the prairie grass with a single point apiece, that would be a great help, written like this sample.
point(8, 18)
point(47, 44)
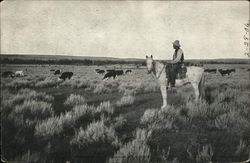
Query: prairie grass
point(47, 83)
point(125, 101)
point(54, 126)
point(30, 112)
point(18, 84)
point(160, 118)
point(105, 108)
point(74, 100)
point(136, 150)
point(95, 133)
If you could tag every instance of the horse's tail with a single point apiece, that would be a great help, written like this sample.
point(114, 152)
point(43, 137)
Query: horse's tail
point(201, 86)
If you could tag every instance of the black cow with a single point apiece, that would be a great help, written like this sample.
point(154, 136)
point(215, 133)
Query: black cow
point(210, 70)
point(52, 70)
point(110, 70)
point(119, 72)
point(224, 72)
point(109, 75)
point(96, 70)
point(248, 69)
point(58, 72)
point(128, 71)
point(8, 74)
point(232, 70)
point(66, 75)
point(100, 71)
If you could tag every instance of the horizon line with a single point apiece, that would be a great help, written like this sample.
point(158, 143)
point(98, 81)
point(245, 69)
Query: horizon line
point(115, 57)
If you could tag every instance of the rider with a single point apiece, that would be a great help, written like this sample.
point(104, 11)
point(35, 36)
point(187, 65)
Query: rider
point(176, 63)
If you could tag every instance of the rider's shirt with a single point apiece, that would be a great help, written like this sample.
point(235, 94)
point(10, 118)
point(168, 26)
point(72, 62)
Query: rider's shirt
point(178, 56)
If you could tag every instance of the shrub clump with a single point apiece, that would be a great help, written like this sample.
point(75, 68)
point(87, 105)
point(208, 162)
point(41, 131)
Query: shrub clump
point(56, 125)
point(160, 119)
point(125, 101)
point(136, 150)
point(95, 133)
point(74, 100)
point(106, 108)
point(31, 111)
point(46, 83)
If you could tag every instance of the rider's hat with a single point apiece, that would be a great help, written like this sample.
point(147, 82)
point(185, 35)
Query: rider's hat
point(177, 43)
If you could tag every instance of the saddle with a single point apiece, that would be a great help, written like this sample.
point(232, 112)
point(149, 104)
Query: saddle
point(180, 72)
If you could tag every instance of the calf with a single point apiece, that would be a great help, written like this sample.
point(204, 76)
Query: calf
point(128, 71)
point(19, 73)
point(65, 75)
point(210, 70)
point(8, 74)
point(58, 72)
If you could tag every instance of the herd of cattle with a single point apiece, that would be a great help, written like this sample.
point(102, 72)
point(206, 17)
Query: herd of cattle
point(68, 75)
point(107, 73)
point(221, 71)
point(111, 73)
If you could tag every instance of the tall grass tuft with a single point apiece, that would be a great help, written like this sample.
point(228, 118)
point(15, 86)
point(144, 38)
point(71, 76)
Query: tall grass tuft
point(54, 126)
point(106, 108)
point(31, 111)
point(136, 150)
point(125, 101)
point(160, 119)
point(95, 133)
point(47, 83)
point(74, 100)
point(205, 154)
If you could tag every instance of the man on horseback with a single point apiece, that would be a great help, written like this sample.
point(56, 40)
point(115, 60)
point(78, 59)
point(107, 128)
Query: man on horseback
point(174, 67)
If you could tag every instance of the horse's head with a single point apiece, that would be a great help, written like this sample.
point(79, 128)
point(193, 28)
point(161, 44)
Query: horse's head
point(149, 61)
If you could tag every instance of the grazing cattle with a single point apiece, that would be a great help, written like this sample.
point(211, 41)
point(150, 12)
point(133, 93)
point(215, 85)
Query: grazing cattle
point(232, 70)
point(224, 72)
point(128, 71)
point(100, 72)
point(248, 69)
point(65, 75)
point(19, 73)
point(8, 74)
point(119, 72)
point(210, 70)
point(110, 70)
point(109, 75)
point(58, 72)
point(52, 70)
point(96, 70)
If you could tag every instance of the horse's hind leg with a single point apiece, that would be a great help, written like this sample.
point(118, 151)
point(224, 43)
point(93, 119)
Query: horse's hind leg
point(164, 95)
point(201, 87)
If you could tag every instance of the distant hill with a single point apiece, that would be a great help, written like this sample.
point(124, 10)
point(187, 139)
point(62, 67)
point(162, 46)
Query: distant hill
point(57, 57)
point(62, 59)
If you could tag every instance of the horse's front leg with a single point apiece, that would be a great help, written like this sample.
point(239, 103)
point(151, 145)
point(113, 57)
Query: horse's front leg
point(196, 90)
point(164, 95)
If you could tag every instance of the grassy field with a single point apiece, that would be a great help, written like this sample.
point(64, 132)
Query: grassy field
point(86, 119)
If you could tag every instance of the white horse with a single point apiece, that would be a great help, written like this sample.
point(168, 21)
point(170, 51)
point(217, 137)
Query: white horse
point(194, 75)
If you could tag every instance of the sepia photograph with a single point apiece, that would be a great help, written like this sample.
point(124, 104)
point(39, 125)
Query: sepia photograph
point(125, 81)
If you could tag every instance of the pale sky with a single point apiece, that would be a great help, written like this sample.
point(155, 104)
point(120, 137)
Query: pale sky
point(129, 29)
